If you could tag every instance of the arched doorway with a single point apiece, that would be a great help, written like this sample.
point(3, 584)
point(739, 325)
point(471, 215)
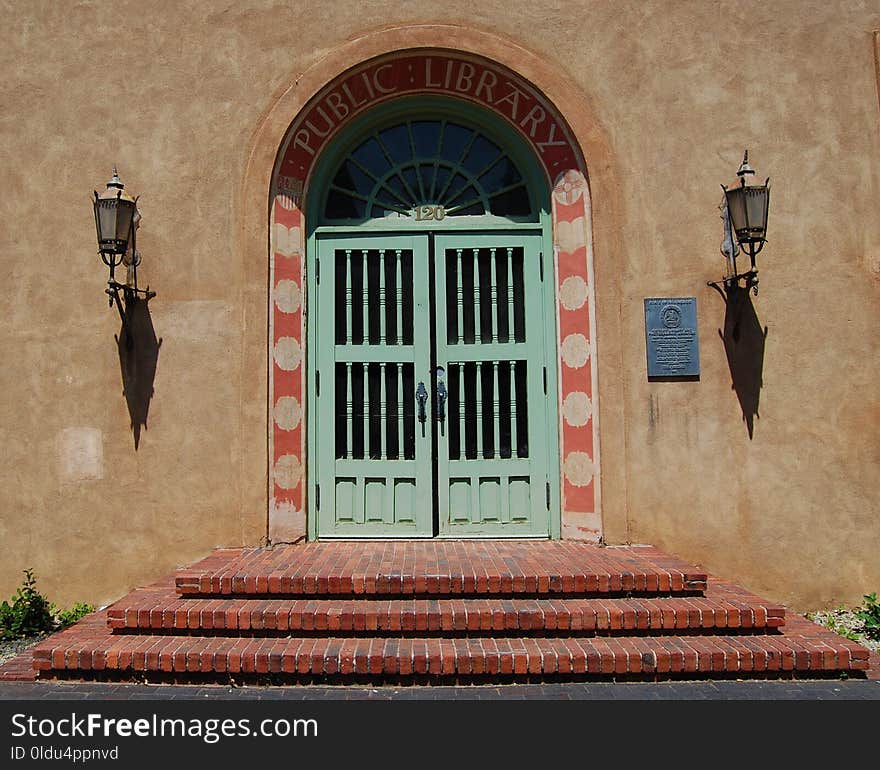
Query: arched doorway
point(497, 106)
point(433, 337)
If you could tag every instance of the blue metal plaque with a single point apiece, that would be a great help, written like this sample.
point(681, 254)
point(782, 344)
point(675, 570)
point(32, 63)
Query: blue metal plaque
point(671, 337)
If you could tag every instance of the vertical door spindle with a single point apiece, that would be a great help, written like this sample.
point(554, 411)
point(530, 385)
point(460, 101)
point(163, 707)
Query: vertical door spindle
point(478, 331)
point(366, 370)
point(348, 298)
point(461, 411)
point(510, 336)
point(383, 414)
point(459, 300)
point(349, 413)
point(399, 285)
point(514, 447)
point(479, 411)
point(496, 409)
point(381, 296)
point(401, 454)
point(494, 314)
point(365, 301)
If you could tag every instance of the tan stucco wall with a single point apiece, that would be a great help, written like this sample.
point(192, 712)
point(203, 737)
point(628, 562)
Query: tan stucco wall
point(663, 97)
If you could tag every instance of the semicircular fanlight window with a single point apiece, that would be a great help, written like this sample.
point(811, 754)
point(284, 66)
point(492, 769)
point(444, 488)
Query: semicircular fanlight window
point(434, 166)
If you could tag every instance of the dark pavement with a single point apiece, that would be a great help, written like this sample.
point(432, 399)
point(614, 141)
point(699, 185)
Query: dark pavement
point(831, 689)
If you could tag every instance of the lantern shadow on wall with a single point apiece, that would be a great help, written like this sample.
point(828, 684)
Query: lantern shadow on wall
point(744, 212)
point(116, 221)
point(744, 342)
point(138, 357)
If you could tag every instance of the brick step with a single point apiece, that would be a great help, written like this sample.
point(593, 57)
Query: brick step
point(491, 610)
point(89, 649)
point(152, 610)
point(439, 568)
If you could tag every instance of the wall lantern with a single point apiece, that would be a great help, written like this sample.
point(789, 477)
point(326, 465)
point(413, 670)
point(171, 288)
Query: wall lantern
point(745, 210)
point(116, 220)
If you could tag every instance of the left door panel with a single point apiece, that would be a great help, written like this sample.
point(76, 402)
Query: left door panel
point(372, 451)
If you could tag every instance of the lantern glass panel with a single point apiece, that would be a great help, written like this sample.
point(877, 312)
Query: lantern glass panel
point(125, 212)
point(757, 201)
point(736, 208)
point(106, 220)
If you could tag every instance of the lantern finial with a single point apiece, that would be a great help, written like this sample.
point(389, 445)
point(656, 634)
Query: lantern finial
point(744, 167)
point(115, 181)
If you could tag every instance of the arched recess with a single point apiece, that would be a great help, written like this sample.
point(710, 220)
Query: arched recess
point(321, 110)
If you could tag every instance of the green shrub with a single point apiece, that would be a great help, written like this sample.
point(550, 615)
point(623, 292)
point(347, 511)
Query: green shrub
point(67, 618)
point(30, 612)
point(869, 614)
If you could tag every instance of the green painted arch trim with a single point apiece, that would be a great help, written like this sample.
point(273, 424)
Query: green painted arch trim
point(411, 109)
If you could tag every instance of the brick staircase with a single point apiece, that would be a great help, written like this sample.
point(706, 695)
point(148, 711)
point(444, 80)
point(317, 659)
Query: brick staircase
point(440, 612)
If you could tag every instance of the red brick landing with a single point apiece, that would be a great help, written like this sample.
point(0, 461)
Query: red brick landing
point(443, 611)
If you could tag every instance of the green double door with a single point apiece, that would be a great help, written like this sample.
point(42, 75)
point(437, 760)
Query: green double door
point(430, 386)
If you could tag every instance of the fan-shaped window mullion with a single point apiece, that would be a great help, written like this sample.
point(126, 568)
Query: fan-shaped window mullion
point(378, 184)
point(451, 211)
point(352, 193)
point(436, 167)
point(489, 166)
point(415, 159)
point(471, 183)
point(457, 167)
point(395, 168)
point(421, 162)
point(383, 184)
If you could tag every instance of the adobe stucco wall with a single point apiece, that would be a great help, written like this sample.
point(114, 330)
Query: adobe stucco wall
point(185, 100)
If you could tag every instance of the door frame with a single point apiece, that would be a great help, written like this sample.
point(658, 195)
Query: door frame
point(539, 191)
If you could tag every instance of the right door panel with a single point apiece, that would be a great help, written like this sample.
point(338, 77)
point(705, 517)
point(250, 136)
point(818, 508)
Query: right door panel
point(493, 432)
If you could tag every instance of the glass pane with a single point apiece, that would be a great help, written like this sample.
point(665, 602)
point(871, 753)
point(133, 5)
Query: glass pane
point(455, 139)
point(481, 154)
point(411, 178)
point(473, 209)
point(440, 183)
point(426, 137)
point(502, 174)
point(340, 205)
point(396, 141)
point(511, 203)
point(395, 184)
point(458, 184)
point(465, 197)
point(371, 157)
point(107, 220)
point(350, 177)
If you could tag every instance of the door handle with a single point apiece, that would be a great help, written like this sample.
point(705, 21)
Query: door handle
point(442, 395)
point(422, 400)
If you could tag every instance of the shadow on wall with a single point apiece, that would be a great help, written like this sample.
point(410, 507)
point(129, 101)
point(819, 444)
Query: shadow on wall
point(138, 356)
point(744, 341)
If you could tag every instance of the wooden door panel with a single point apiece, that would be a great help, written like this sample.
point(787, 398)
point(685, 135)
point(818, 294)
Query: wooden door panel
point(374, 464)
point(491, 356)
